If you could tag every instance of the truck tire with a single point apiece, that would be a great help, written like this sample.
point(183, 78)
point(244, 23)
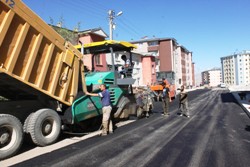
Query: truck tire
point(123, 108)
point(11, 135)
point(125, 111)
point(26, 122)
point(44, 127)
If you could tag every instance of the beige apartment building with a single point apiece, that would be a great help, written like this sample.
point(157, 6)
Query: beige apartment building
point(236, 68)
point(212, 77)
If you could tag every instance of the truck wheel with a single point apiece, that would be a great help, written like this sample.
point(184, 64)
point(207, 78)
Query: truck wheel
point(26, 122)
point(44, 127)
point(126, 111)
point(121, 112)
point(11, 135)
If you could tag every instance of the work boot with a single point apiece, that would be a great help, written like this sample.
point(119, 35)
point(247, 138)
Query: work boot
point(104, 128)
point(104, 134)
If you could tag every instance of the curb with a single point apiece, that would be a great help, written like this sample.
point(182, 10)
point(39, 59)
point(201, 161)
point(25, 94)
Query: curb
point(244, 107)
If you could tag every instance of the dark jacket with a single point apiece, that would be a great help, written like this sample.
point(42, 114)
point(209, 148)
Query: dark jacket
point(183, 97)
point(165, 93)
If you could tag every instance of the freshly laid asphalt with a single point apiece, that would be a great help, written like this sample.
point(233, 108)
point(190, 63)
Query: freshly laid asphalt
point(217, 134)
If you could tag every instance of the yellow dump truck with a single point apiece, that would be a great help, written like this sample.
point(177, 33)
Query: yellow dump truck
point(42, 82)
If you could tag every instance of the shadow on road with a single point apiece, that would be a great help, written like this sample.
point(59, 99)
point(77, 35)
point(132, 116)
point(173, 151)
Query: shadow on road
point(247, 128)
point(228, 98)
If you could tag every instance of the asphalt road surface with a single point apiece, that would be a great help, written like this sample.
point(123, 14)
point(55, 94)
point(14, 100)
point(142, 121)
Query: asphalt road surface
point(216, 135)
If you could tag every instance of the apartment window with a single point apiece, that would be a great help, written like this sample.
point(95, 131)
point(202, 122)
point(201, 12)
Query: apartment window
point(98, 60)
point(116, 56)
point(153, 43)
point(153, 69)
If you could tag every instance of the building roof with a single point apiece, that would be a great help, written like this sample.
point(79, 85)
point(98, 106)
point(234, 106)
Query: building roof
point(213, 69)
point(154, 39)
point(98, 31)
point(244, 52)
point(184, 49)
point(161, 39)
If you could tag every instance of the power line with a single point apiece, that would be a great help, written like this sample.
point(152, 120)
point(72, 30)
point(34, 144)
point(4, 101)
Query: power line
point(97, 11)
point(81, 9)
point(131, 29)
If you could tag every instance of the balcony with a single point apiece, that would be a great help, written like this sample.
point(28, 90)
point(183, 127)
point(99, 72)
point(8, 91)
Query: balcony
point(153, 48)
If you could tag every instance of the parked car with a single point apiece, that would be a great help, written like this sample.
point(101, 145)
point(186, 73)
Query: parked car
point(223, 85)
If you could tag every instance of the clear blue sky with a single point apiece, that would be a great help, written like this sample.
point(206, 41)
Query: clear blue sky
point(209, 28)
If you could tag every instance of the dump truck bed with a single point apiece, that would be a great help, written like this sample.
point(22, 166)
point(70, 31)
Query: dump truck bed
point(34, 58)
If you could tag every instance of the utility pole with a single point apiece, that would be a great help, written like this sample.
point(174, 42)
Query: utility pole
point(111, 24)
point(112, 16)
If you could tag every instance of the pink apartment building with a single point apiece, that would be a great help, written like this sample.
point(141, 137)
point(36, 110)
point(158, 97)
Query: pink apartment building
point(193, 79)
point(94, 35)
point(148, 70)
point(174, 61)
point(87, 36)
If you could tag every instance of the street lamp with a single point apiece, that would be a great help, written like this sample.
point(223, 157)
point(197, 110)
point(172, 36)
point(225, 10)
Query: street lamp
point(119, 13)
point(112, 15)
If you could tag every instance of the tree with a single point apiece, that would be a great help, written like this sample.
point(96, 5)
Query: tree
point(69, 35)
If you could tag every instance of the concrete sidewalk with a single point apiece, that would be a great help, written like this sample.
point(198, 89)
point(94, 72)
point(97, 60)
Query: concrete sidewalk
point(244, 103)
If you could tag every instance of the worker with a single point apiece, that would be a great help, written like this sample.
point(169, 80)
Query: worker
point(127, 64)
point(107, 125)
point(183, 102)
point(165, 81)
point(166, 99)
point(126, 61)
